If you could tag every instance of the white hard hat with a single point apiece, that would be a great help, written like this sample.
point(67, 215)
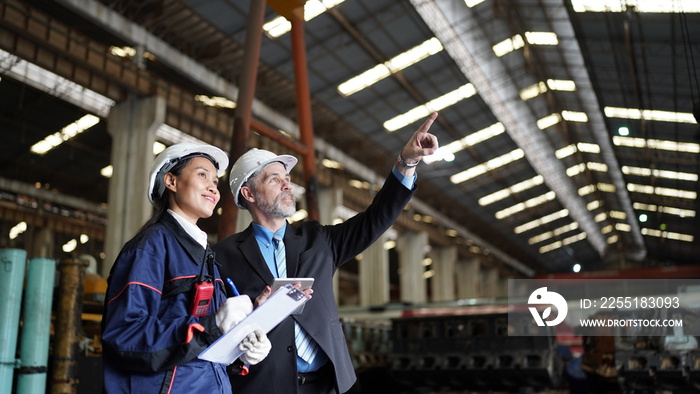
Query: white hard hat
point(251, 162)
point(168, 158)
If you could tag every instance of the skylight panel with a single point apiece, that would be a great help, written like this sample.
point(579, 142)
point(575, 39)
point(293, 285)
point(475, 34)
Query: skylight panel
point(675, 175)
point(396, 64)
point(688, 147)
point(541, 221)
point(649, 114)
point(517, 188)
point(519, 207)
point(463, 92)
point(488, 166)
point(667, 234)
point(642, 6)
point(661, 191)
point(663, 209)
point(447, 152)
point(313, 8)
point(70, 131)
point(516, 42)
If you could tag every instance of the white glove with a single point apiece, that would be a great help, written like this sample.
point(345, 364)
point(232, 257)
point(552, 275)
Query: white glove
point(233, 311)
point(255, 347)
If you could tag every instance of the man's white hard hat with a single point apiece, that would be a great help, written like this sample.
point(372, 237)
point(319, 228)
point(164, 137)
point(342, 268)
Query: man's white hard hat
point(250, 163)
point(172, 155)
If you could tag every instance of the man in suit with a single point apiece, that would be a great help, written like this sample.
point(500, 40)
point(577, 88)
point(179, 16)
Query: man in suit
point(260, 183)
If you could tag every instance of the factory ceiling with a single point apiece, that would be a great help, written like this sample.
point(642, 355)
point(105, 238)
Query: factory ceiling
point(567, 131)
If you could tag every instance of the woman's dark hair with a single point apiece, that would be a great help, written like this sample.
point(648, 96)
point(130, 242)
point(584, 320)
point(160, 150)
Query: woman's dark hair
point(161, 203)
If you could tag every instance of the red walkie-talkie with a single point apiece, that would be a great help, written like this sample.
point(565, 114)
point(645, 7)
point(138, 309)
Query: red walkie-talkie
point(203, 293)
point(203, 290)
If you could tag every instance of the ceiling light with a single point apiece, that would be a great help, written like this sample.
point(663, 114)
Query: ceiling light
point(643, 218)
point(422, 111)
point(574, 116)
point(298, 216)
point(70, 246)
point(623, 227)
point(218, 102)
point(18, 229)
point(682, 176)
point(447, 151)
point(612, 239)
point(107, 171)
point(472, 3)
point(648, 114)
point(395, 64)
point(68, 132)
point(562, 84)
point(556, 232)
point(618, 215)
point(623, 131)
point(651, 6)
point(533, 91)
point(549, 120)
point(565, 151)
point(543, 220)
point(668, 210)
point(313, 8)
point(564, 242)
point(488, 166)
point(588, 147)
point(541, 38)
point(593, 205)
point(508, 45)
point(328, 163)
point(668, 235)
point(122, 51)
point(533, 202)
point(576, 268)
point(517, 188)
point(661, 191)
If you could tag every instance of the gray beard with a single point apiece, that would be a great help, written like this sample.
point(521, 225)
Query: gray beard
point(275, 208)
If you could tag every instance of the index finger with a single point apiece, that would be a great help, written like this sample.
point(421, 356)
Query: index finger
point(428, 122)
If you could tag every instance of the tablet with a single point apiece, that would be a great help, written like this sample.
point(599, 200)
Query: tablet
point(279, 282)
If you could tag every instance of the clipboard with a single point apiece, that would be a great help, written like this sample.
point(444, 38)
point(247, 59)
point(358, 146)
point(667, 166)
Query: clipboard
point(265, 317)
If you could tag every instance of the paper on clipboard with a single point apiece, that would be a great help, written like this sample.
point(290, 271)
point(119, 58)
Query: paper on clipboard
point(265, 317)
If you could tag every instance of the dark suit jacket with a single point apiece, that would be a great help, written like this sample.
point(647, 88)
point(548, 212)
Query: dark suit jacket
point(313, 250)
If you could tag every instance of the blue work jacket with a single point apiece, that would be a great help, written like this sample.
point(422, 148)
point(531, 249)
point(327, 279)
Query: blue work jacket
point(150, 338)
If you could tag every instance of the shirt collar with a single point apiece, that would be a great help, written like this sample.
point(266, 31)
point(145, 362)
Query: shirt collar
point(191, 229)
point(264, 234)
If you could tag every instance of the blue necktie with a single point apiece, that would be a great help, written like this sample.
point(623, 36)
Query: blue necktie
point(306, 347)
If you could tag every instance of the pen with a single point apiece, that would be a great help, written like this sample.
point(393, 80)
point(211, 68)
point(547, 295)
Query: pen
point(233, 287)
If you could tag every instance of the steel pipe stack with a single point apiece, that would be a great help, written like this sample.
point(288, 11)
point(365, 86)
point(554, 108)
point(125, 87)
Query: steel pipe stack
point(12, 265)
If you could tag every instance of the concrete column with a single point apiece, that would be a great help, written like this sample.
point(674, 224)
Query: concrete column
point(502, 288)
point(330, 198)
point(490, 283)
point(133, 126)
point(444, 266)
point(374, 274)
point(42, 243)
point(412, 247)
point(243, 220)
point(468, 279)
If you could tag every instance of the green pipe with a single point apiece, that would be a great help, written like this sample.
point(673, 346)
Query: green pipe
point(36, 324)
point(12, 263)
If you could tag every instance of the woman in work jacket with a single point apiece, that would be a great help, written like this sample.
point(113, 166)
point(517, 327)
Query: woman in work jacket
point(165, 300)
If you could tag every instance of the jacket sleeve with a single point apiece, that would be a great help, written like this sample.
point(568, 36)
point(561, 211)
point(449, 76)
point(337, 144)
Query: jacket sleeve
point(359, 232)
point(142, 331)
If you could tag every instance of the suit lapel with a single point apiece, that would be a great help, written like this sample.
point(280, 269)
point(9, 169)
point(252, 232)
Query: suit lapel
point(251, 252)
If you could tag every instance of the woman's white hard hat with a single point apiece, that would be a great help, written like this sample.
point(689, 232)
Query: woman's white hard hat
point(168, 158)
point(251, 162)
